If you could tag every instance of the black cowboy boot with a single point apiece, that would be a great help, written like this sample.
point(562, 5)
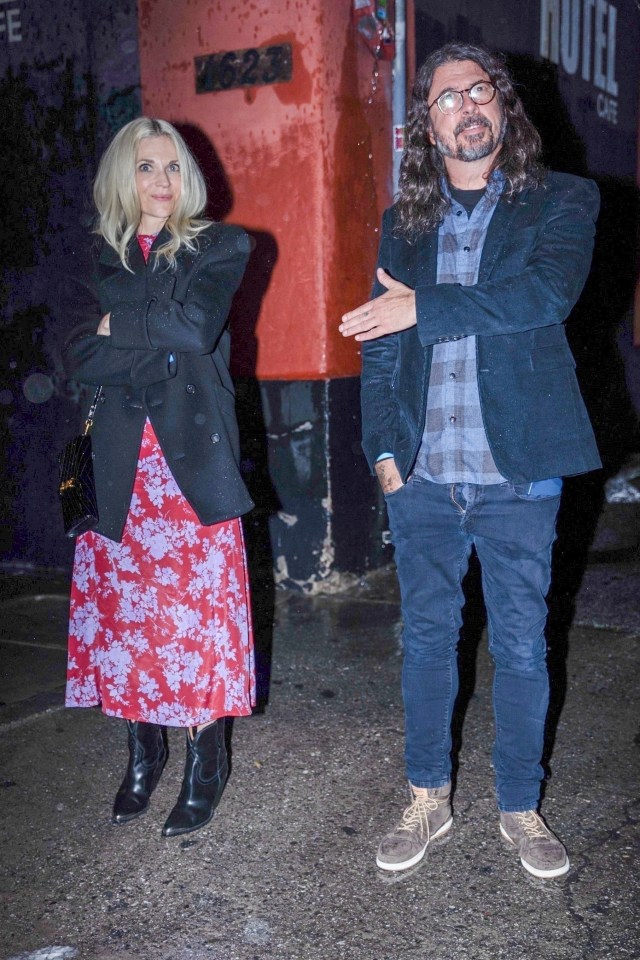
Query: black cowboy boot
point(205, 774)
point(147, 757)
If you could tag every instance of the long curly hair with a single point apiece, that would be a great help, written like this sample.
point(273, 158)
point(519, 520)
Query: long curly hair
point(421, 204)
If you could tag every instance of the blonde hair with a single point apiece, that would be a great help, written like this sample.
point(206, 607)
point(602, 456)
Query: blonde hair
point(116, 197)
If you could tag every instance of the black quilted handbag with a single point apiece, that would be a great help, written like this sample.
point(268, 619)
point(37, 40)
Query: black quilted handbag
point(76, 485)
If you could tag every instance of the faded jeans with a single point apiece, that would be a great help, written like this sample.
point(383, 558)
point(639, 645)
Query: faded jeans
point(434, 527)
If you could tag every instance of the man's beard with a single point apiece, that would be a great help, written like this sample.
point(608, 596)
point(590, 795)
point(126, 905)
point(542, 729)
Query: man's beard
point(470, 151)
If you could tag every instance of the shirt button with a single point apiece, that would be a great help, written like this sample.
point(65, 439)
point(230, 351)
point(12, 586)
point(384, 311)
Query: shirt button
point(215, 438)
point(452, 376)
point(452, 419)
point(191, 388)
point(467, 249)
point(458, 213)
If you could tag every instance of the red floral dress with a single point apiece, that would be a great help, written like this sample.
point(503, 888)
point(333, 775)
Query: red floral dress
point(160, 623)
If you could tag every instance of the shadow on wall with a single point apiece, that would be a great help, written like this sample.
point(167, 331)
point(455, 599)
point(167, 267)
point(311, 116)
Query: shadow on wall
point(249, 402)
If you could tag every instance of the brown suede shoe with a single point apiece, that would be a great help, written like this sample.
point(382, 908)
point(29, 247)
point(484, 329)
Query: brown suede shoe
point(427, 818)
point(541, 853)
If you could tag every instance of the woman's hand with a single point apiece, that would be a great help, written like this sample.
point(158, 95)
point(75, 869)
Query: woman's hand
point(104, 328)
point(395, 310)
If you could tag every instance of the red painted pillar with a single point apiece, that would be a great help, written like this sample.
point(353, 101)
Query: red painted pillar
point(307, 160)
point(308, 170)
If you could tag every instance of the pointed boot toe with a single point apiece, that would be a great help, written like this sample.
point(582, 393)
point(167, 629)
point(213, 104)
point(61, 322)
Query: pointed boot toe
point(205, 775)
point(128, 806)
point(185, 821)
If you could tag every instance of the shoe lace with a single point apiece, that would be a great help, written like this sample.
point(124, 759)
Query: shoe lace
point(417, 814)
point(532, 825)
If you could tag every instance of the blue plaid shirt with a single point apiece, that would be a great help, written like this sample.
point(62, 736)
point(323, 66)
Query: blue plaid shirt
point(454, 447)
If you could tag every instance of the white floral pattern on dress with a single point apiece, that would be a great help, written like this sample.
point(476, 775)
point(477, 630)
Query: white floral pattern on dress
point(160, 625)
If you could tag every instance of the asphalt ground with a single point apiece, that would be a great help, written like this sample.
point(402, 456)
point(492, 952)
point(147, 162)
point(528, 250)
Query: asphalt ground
point(286, 869)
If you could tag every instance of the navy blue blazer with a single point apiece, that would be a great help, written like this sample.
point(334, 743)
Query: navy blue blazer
point(167, 359)
point(534, 264)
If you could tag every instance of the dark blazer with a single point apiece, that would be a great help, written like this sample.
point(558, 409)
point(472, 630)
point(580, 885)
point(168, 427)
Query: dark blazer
point(534, 264)
point(167, 359)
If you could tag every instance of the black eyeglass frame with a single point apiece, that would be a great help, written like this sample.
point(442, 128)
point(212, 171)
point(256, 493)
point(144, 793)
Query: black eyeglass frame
point(460, 93)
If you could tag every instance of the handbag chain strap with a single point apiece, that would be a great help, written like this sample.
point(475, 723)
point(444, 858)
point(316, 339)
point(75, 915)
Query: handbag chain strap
point(92, 412)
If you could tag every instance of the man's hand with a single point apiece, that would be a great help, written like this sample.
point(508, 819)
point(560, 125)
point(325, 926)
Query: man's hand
point(104, 327)
point(393, 311)
point(388, 475)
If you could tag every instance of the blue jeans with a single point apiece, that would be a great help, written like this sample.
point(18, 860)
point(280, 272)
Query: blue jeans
point(434, 527)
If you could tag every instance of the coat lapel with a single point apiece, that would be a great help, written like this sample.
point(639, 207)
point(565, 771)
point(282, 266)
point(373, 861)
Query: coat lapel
point(158, 283)
point(161, 281)
point(114, 280)
point(110, 260)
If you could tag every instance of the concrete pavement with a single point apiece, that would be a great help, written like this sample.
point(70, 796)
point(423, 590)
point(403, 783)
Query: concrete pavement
point(287, 868)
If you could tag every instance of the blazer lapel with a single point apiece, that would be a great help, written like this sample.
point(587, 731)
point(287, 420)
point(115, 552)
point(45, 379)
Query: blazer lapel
point(497, 234)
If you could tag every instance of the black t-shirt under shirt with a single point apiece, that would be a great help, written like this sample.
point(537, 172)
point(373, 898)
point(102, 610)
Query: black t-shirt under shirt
point(467, 198)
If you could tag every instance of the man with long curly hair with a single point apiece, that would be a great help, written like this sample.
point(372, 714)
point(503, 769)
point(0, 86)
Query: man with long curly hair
point(471, 417)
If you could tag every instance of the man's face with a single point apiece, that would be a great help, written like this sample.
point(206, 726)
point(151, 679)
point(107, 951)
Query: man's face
point(475, 131)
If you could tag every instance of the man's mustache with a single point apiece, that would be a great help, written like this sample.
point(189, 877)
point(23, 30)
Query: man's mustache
point(475, 121)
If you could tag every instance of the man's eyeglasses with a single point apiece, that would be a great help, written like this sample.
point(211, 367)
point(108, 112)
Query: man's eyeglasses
point(451, 100)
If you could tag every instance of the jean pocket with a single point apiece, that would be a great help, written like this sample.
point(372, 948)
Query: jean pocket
point(538, 489)
point(393, 493)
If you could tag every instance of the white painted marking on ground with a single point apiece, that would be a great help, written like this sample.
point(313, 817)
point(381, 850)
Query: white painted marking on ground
point(48, 953)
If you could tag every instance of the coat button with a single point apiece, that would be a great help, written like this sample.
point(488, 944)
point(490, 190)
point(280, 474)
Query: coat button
point(191, 388)
point(215, 438)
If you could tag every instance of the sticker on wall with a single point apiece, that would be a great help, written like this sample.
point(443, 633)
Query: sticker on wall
point(254, 67)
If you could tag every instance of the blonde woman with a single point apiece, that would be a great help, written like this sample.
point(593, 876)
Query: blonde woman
point(160, 628)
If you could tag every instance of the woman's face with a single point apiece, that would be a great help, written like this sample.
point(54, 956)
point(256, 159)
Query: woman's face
point(158, 182)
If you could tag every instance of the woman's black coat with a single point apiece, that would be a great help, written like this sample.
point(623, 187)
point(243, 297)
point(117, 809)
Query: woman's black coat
point(167, 359)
